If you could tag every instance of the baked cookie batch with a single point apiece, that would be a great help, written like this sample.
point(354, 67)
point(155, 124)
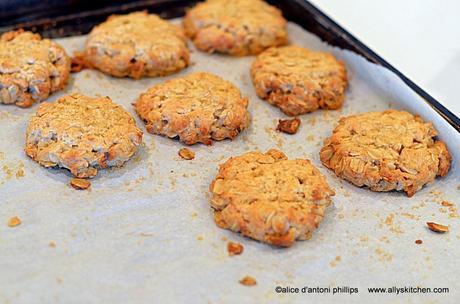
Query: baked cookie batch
point(264, 196)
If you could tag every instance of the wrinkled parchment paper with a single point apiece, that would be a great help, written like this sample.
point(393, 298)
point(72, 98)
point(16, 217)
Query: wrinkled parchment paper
point(145, 234)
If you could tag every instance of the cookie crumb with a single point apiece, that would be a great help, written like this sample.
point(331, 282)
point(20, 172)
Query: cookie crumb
point(446, 204)
point(80, 183)
point(186, 154)
point(289, 126)
point(78, 62)
point(234, 248)
point(199, 238)
point(437, 227)
point(418, 242)
point(334, 262)
point(14, 221)
point(52, 244)
point(248, 281)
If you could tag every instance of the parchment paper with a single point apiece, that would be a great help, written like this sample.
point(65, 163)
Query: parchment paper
point(145, 234)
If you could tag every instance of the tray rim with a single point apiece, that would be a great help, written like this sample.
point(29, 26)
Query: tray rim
point(445, 113)
point(51, 28)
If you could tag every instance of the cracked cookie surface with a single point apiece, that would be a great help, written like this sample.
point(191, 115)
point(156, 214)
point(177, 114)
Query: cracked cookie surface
point(269, 198)
point(31, 68)
point(199, 107)
point(390, 150)
point(82, 134)
point(136, 45)
point(237, 27)
point(298, 80)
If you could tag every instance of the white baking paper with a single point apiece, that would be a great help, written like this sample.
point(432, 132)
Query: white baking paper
point(145, 233)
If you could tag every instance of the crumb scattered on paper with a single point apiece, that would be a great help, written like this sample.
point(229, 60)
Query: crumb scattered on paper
point(234, 248)
point(446, 204)
point(289, 126)
point(186, 154)
point(248, 281)
point(383, 255)
point(334, 262)
point(14, 221)
point(439, 228)
point(80, 183)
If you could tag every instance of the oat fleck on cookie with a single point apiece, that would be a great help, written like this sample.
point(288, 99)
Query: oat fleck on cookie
point(80, 183)
point(289, 126)
point(248, 281)
point(186, 154)
point(385, 151)
point(234, 248)
point(437, 227)
point(14, 221)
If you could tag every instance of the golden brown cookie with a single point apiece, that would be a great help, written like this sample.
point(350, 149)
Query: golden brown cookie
point(269, 198)
point(199, 107)
point(31, 68)
point(298, 80)
point(82, 134)
point(136, 45)
point(237, 27)
point(390, 150)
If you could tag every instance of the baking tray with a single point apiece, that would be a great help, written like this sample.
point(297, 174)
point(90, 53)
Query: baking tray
point(144, 233)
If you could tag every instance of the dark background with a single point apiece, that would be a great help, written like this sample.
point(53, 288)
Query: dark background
point(24, 10)
point(14, 12)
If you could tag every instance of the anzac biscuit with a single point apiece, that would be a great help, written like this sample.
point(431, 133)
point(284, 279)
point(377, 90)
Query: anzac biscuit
point(298, 80)
point(237, 27)
point(269, 198)
point(390, 150)
point(136, 45)
point(199, 107)
point(31, 68)
point(82, 134)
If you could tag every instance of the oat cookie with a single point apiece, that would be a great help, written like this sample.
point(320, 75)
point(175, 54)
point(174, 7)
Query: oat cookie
point(237, 27)
point(31, 68)
point(136, 45)
point(298, 80)
point(269, 198)
point(390, 150)
point(82, 134)
point(199, 107)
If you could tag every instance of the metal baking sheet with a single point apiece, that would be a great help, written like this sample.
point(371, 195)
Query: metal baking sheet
point(145, 233)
